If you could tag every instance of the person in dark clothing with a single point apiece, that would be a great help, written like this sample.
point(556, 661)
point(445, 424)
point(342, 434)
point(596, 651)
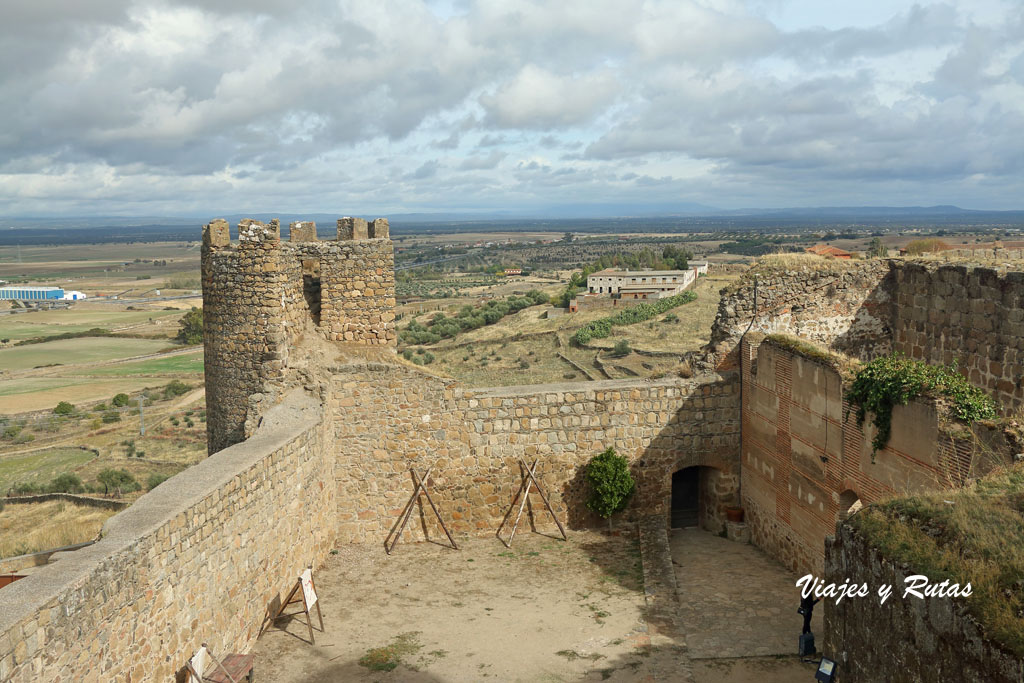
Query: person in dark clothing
point(807, 609)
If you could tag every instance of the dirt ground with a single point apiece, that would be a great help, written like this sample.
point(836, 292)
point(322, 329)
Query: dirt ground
point(753, 670)
point(547, 610)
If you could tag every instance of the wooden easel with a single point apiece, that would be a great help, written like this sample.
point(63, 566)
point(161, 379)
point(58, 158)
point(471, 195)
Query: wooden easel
point(529, 479)
point(403, 518)
point(306, 590)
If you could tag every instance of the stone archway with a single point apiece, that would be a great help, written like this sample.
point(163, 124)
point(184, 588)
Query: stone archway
point(699, 494)
point(849, 503)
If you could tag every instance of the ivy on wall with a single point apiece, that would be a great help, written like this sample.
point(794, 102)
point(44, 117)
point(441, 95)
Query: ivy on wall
point(895, 379)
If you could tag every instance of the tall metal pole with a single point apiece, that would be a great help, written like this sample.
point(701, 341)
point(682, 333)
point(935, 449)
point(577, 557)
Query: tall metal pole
point(142, 420)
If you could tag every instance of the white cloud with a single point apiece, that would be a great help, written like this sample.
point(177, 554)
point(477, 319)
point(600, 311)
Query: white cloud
point(537, 98)
point(116, 105)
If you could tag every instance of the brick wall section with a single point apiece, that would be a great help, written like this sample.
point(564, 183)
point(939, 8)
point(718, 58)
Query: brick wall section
point(969, 314)
point(256, 306)
point(905, 640)
point(390, 418)
point(843, 305)
point(197, 559)
point(802, 450)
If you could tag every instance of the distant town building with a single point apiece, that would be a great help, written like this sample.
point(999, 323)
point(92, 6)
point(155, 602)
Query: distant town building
point(74, 295)
point(513, 271)
point(27, 293)
point(826, 250)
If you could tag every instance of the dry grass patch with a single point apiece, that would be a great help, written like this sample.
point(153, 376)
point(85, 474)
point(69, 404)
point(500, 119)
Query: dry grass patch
point(33, 527)
point(972, 535)
point(686, 328)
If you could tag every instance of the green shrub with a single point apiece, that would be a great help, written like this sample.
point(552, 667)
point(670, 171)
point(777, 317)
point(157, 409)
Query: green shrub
point(111, 416)
point(155, 480)
point(176, 388)
point(66, 483)
point(621, 349)
point(611, 484)
point(64, 408)
point(117, 480)
point(121, 400)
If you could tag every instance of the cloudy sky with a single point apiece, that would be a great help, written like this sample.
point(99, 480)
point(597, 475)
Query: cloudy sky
point(179, 107)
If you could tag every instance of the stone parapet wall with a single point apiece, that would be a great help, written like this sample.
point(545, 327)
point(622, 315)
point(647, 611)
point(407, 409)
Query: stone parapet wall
point(843, 305)
point(910, 640)
point(972, 315)
point(805, 459)
point(391, 418)
point(198, 559)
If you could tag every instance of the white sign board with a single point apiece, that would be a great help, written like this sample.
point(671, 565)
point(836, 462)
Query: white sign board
point(308, 592)
point(198, 666)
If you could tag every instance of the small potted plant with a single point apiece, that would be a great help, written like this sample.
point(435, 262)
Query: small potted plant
point(734, 513)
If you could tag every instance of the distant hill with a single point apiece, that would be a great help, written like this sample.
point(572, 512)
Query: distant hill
point(604, 218)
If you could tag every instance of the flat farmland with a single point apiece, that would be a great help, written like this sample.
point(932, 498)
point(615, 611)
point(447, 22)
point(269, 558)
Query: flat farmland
point(179, 364)
point(39, 467)
point(77, 351)
point(79, 319)
point(27, 394)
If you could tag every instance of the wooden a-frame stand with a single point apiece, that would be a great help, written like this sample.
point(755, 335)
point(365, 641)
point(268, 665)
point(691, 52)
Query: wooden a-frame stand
point(306, 594)
point(529, 479)
point(403, 519)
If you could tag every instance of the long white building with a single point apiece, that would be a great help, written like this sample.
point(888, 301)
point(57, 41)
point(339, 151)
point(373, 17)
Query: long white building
point(654, 283)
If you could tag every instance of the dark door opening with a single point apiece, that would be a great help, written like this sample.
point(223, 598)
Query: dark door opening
point(311, 291)
point(686, 498)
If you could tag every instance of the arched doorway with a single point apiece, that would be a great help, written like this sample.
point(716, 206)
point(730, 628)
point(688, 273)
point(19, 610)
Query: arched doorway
point(700, 495)
point(849, 503)
point(686, 497)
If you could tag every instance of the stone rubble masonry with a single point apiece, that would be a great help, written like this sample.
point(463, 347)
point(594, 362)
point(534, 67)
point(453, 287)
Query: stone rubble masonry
point(805, 460)
point(935, 312)
point(972, 315)
point(391, 418)
point(260, 296)
point(198, 559)
point(907, 640)
point(302, 231)
point(846, 306)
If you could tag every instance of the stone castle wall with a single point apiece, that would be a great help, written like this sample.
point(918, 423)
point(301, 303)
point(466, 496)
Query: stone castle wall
point(931, 640)
point(967, 314)
point(203, 555)
point(843, 305)
point(262, 295)
point(391, 418)
point(805, 458)
point(198, 559)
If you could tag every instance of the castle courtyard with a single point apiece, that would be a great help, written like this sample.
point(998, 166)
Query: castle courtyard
point(544, 610)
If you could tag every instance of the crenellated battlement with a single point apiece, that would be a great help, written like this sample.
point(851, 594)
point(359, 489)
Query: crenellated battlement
point(263, 294)
point(217, 233)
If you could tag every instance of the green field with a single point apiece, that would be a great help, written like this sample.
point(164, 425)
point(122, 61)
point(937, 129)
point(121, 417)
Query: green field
point(43, 323)
point(186, 363)
point(73, 351)
point(40, 467)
